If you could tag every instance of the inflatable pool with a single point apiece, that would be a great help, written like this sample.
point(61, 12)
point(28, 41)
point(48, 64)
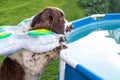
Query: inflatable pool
point(94, 49)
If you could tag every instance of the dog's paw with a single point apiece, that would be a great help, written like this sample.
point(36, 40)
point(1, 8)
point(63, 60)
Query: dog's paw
point(63, 46)
point(60, 47)
point(69, 28)
point(62, 39)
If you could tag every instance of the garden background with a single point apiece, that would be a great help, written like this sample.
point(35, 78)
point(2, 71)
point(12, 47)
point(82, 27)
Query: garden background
point(13, 12)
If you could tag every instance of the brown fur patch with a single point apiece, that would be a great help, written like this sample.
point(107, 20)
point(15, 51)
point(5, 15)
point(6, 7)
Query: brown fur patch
point(50, 18)
point(34, 64)
point(11, 70)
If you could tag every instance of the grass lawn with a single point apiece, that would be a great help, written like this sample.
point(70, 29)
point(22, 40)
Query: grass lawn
point(14, 11)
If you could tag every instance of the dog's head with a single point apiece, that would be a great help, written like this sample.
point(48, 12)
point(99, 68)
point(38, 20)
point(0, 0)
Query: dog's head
point(50, 18)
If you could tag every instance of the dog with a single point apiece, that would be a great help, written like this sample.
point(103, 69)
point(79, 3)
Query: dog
point(26, 65)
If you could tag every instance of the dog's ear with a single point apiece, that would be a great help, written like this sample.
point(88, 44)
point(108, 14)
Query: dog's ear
point(36, 20)
point(53, 15)
point(43, 20)
point(58, 15)
point(50, 18)
point(48, 15)
point(58, 21)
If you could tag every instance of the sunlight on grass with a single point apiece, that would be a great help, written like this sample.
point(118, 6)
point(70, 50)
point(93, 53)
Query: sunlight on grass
point(1, 59)
point(52, 71)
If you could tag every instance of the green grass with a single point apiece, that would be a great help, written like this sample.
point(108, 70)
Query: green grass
point(51, 73)
point(14, 11)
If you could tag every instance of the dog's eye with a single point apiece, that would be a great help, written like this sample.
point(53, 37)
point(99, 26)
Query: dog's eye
point(51, 18)
point(62, 14)
point(58, 20)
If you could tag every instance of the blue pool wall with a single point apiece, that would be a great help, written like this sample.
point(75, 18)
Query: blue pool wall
point(84, 26)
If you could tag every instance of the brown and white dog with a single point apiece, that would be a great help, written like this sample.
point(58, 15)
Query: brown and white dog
point(26, 65)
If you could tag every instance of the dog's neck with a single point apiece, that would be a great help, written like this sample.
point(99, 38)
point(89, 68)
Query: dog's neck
point(23, 58)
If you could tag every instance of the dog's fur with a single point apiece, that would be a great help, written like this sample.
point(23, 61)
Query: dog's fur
point(25, 65)
point(51, 19)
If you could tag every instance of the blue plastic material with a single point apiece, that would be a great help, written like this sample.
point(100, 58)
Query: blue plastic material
point(72, 74)
point(87, 20)
point(89, 75)
point(80, 73)
point(81, 22)
point(81, 26)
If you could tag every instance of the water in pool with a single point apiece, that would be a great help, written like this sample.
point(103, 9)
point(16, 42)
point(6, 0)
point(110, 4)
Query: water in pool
point(103, 41)
point(99, 52)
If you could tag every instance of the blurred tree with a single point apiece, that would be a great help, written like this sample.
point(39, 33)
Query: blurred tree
point(114, 6)
point(99, 6)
